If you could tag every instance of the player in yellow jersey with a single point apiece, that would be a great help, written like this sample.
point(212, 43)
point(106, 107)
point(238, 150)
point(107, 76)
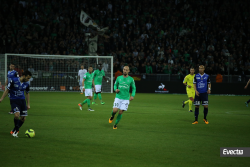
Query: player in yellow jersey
point(188, 81)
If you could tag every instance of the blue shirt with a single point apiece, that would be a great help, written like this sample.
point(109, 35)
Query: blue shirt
point(12, 74)
point(16, 89)
point(201, 82)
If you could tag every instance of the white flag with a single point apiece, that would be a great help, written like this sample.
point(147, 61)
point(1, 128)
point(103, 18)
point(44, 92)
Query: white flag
point(89, 22)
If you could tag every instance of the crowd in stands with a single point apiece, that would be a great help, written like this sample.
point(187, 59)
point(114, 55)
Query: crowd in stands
point(151, 36)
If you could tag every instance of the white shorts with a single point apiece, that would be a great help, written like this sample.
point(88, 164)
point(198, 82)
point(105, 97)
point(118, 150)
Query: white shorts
point(80, 83)
point(88, 92)
point(98, 88)
point(121, 104)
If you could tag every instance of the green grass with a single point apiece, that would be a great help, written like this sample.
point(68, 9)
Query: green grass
point(155, 131)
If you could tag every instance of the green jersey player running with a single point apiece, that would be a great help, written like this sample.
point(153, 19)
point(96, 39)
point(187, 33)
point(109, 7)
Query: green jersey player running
point(87, 83)
point(98, 75)
point(122, 98)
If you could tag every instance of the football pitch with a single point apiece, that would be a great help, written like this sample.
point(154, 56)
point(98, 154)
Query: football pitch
point(155, 131)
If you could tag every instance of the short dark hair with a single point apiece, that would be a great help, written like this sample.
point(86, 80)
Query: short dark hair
point(12, 64)
point(27, 73)
point(191, 68)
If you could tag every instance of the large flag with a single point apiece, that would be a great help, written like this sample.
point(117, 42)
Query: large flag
point(87, 21)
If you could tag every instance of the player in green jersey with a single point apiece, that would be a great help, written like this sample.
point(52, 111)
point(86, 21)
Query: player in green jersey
point(98, 75)
point(122, 98)
point(87, 83)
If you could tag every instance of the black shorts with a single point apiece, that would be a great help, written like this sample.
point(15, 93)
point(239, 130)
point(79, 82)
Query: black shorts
point(19, 105)
point(203, 97)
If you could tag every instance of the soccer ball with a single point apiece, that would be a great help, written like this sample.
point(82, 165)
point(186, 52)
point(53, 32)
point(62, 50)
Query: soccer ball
point(30, 133)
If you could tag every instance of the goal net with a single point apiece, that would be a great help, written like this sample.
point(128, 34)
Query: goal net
point(57, 72)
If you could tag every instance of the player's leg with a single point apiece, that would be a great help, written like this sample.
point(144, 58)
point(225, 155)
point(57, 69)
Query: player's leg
point(114, 111)
point(197, 105)
point(185, 102)
point(21, 121)
point(205, 104)
point(95, 96)
point(80, 84)
point(20, 108)
point(88, 94)
point(247, 102)
point(205, 114)
point(89, 98)
point(116, 107)
point(15, 106)
point(191, 100)
point(15, 131)
point(11, 111)
point(23, 113)
point(118, 118)
point(123, 107)
point(98, 89)
point(100, 94)
point(100, 97)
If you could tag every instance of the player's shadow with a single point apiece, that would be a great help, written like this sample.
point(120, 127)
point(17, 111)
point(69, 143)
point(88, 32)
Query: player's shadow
point(185, 120)
point(7, 134)
point(108, 125)
point(4, 134)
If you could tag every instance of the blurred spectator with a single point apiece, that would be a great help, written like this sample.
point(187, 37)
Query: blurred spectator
point(149, 69)
point(162, 34)
point(19, 70)
point(105, 66)
point(117, 74)
point(219, 78)
point(31, 69)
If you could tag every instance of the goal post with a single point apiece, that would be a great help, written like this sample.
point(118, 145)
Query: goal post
point(2, 71)
point(58, 72)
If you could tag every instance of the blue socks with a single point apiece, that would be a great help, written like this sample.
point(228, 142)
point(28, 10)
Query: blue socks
point(205, 113)
point(196, 113)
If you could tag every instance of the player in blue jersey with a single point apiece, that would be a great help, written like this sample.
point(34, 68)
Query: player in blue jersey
point(11, 74)
point(16, 88)
point(202, 87)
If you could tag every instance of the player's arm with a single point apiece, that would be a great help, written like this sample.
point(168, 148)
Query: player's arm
point(6, 82)
point(4, 95)
point(28, 100)
point(185, 81)
point(28, 96)
point(194, 82)
point(83, 88)
point(209, 85)
point(16, 74)
point(247, 84)
point(10, 85)
point(133, 90)
point(105, 79)
point(116, 86)
point(93, 83)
